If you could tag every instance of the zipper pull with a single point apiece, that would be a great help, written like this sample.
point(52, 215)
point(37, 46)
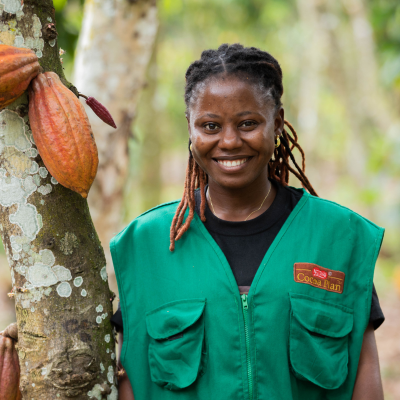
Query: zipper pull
point(244, 301)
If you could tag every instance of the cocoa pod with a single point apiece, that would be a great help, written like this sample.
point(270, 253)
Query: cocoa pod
point(100, 110)
point(17, 68)
point(9, 370)
point(62, 133)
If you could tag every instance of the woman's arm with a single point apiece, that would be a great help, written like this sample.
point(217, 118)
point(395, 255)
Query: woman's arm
point(368, 384)
point(125, 391)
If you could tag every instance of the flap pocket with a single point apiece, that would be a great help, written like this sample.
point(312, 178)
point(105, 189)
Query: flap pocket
point(172, 318)
point(319, 340)
point(177, 351)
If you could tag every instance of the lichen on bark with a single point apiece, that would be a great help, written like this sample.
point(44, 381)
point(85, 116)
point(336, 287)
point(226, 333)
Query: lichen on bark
point(55, 257)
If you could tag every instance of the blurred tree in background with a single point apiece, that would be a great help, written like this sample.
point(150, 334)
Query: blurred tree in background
point(341, 66)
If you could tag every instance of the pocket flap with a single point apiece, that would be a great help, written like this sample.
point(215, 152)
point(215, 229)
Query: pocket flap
point(320, 316)
point(174, 317)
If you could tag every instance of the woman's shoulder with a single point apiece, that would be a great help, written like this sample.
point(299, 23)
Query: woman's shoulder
point(327, 209)
point(156, 219)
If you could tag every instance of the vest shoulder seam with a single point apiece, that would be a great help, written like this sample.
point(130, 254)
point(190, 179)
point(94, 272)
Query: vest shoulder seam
point(345, 208)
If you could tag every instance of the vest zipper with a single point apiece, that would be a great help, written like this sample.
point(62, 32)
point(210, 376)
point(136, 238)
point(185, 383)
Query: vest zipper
point(246, 332)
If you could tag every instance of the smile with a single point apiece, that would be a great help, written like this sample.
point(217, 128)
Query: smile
point(233, 163)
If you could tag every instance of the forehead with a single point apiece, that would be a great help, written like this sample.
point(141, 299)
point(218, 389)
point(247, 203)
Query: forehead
point(226, 92)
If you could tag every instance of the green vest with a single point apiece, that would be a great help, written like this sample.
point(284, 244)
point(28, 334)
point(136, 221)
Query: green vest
point(189, 334)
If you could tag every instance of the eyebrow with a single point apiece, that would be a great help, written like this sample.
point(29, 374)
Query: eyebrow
point(210, 115)
point(241, 114)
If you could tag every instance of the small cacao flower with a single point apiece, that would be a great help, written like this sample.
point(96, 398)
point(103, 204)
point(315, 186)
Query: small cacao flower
point(17, 68)
point(99, 110)
point(62, 133)
point(11, 295)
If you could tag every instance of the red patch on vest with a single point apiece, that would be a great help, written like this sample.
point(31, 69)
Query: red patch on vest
point(318, 273)
point(319, 277)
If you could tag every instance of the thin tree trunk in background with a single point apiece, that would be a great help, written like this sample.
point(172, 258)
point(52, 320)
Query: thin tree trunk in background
point(115, 46)
point(353, 45)
point(150, 179)
point(310, 71)
point(366, 68)
point(310, 67)
point(62, 300)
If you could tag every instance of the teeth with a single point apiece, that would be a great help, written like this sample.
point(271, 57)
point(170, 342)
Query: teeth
point(233, 163)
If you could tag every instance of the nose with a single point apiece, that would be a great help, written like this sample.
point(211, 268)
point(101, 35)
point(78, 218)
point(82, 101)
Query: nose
point(230, 138)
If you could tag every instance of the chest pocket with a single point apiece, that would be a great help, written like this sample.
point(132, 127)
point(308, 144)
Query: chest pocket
point(319, 335)
point(177, 352)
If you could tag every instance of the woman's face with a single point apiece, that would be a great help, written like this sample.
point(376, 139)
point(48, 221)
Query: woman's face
point(233, 129)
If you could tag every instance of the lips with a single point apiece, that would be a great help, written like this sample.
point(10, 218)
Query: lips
point(232, 163)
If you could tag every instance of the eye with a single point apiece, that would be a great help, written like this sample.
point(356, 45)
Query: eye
point(248, 124)
point(211, 127)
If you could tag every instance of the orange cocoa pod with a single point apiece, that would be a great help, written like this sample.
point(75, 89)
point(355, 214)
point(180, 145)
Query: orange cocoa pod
point(17, 68)
point(9, 370)
point(62, 133)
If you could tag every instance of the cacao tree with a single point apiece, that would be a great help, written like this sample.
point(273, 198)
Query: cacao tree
point(114, 49)
point(57, 264)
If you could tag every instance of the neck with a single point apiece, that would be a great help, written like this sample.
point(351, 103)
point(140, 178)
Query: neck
point(231, 204)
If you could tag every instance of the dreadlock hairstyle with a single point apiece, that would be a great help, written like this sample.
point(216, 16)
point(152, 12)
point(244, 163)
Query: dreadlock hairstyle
point(261, 69)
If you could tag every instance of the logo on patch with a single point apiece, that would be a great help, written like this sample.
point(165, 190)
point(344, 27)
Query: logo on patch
point(319, 277)
point(318, 273)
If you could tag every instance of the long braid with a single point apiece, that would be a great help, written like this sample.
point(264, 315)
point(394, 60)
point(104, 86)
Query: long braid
point(195, 178)
point(203, 181)
point(180, 212)
point(261, 69)
point(192, 185)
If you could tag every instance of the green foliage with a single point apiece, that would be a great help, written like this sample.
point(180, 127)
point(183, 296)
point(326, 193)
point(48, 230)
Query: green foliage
point(385, 19)
point(69, 14)
point(59, 4)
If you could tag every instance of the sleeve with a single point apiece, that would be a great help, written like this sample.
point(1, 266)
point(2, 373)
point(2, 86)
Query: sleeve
point(376, 317)
point(117, 322)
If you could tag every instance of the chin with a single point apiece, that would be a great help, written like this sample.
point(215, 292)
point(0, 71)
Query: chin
point(233, 183)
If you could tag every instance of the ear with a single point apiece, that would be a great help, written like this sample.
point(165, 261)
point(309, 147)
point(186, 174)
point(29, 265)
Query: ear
point(279, 121)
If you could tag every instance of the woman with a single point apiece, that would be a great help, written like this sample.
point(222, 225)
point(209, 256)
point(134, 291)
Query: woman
point(246, 288)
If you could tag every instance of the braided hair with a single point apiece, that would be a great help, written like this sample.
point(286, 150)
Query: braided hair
point(263, 70)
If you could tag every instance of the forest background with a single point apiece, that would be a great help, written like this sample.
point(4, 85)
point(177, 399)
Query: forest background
point(341, 66)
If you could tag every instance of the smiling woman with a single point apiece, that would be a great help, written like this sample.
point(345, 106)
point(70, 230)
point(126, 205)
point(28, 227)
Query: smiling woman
point(239, 145)
point(265, 290)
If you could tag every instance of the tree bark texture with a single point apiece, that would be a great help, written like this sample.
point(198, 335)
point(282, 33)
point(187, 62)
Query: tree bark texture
point(62, 299)
point(114, 49)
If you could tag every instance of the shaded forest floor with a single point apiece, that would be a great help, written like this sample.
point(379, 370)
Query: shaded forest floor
point(387, 336)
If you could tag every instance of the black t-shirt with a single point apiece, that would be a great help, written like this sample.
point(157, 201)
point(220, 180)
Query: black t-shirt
point(256, 234)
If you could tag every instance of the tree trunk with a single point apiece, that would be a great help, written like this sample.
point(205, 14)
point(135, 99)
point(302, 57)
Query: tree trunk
point(114, 49)
point(62, 300)
point(366, 76)
point(150, 157)
point(310, 68)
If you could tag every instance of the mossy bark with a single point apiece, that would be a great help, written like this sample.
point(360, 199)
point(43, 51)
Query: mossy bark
point(57, 264)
